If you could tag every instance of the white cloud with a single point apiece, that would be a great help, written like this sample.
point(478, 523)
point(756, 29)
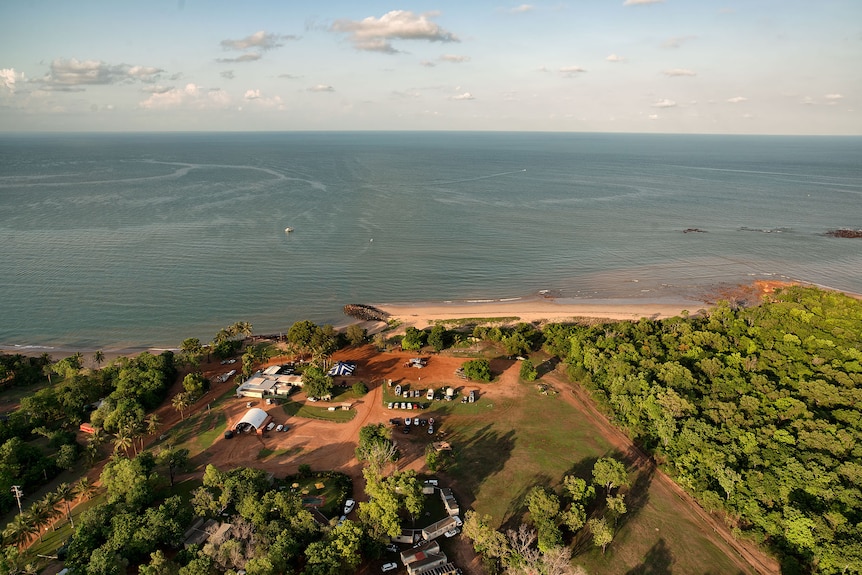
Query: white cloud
point(9, 77)
point(427, 63)
point(191, 96)
point(374, 34)
point(571, 71)
point(807, 100)
point(68, 74)
point(321, 88)
point(641, 2)
point(156, 89)
point(737, 99)
point(664, 103)
point(407, 94)
point(615, 58)
point(522, 8)
point(679, 72)
point(653, 116)
point(834, 96)
point(260, 40)
point(455, 59)
point(256, 99)
point(676, 41)
point(247, 57)
point(464, 96)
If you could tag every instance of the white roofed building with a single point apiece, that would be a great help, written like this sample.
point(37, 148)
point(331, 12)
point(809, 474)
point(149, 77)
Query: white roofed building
point(255, 419)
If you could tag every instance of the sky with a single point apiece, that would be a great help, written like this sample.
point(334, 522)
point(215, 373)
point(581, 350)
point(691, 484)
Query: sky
point(655, 66)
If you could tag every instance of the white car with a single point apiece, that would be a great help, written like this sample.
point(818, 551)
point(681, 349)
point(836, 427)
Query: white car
point(415, 421)
point(452, 532)
point(389, 567)
point(279, 427)
point(348, 506)
point(458, 522)
point(270, 426)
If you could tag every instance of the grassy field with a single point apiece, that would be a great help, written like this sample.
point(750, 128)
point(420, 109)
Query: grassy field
point(537, 439)
point(294, 409)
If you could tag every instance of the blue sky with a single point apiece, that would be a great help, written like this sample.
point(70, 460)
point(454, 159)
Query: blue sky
point(678, 66)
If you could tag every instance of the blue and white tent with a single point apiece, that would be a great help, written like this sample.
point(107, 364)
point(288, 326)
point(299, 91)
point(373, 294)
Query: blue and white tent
point(341, 368)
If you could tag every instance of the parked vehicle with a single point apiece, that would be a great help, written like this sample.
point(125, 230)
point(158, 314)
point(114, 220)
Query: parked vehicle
point(284, 428)
point(395, 421)
point(389, 405)
point(279, 427)
point(348, 506)
point(472, 396)
point(389, 567)
point(392, 548)
point(270, 426)
point(430, 430)
point(416, 421)
point(228, 434)
point(429, 395)
point(452, 532)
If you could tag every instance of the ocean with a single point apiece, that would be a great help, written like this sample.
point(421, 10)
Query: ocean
point(141, 240)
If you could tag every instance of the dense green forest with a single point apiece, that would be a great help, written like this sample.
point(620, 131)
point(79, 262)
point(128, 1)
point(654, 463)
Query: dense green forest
point(127, 389)
point(755, 411)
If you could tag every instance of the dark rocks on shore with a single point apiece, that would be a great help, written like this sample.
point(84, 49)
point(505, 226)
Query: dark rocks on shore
point(844, 233)
point(365, 312)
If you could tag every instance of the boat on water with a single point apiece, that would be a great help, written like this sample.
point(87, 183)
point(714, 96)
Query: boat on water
point(288, 230)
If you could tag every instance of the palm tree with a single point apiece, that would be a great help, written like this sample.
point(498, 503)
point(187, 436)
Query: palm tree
point(181, 402)
point(19, 530)
point(99, 357)
point(153, 423)
point(38, 516)
point(51, 502)
point(67, 493)
point(84, 488)
point(122, 440)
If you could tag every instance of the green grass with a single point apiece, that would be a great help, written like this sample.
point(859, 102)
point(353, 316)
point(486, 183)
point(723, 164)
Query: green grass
point(210, 428)
point(536, 440)
point(330, 493)
point(294, 409)
point(464, 321)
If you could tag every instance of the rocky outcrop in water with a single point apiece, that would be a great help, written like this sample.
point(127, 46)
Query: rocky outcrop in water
point(365, 312)
point(844, 233)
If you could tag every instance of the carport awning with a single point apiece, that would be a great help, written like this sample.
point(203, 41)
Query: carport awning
point(254, 417)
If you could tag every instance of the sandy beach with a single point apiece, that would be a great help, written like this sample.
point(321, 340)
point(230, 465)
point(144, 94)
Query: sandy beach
point(422, 315)
point(552, 309)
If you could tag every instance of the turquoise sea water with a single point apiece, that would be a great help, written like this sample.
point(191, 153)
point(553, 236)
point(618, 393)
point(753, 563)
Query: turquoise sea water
point(139, 240)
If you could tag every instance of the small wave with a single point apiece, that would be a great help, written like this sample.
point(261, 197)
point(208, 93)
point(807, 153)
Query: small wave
point(765, 230)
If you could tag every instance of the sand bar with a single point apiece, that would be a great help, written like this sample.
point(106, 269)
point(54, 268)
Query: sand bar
point(422, 315)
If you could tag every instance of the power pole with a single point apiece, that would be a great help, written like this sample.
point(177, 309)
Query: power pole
point(18, 493)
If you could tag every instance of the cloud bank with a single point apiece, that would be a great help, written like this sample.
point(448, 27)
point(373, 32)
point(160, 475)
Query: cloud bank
point(375, 34)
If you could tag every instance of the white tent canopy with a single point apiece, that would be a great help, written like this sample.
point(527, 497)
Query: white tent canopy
point(254, 417)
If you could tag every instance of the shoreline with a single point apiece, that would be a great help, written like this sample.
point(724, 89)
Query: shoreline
point(546, 307)
point(535, 309)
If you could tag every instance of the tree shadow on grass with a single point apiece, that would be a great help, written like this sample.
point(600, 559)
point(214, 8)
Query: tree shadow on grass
point(479, 456)
point(517, 508)
point(657, 561)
